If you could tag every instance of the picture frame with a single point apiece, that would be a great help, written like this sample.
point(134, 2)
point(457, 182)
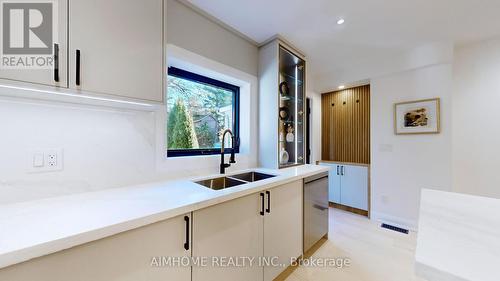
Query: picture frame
point(417, 117)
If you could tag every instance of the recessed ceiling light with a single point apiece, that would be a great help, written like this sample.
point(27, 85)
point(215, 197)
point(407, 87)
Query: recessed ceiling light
point(340, 21)
point(341, 87)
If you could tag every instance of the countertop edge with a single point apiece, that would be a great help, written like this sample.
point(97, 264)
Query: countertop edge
point(25, 254)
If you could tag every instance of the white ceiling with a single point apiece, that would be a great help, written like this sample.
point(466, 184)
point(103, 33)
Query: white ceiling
point(375, 30)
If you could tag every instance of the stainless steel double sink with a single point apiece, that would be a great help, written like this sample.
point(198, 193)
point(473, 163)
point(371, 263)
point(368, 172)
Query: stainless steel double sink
point(233, 180)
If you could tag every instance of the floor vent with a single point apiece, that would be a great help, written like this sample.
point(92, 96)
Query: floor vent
point(394, 228)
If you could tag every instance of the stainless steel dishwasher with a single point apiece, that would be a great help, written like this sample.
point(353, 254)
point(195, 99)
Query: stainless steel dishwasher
point(315, 209)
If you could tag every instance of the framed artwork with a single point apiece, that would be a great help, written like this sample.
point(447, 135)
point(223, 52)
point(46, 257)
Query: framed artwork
point(417, 117)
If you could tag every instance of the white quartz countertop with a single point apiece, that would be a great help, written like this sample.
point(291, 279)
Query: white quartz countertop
point(458, 237)
point(37, 228)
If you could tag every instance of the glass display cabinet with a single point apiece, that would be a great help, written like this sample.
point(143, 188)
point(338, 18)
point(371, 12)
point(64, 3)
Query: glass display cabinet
point(291, 109)
point(281, 105)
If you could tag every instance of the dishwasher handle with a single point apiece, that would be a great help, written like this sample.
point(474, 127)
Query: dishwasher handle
point(319, 207)
point(311, 179)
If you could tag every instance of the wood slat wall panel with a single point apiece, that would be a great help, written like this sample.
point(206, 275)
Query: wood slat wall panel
point(346, 125)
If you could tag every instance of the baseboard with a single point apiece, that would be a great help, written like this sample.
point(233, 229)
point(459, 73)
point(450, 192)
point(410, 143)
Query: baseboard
point(394, 220)
point(349, 209)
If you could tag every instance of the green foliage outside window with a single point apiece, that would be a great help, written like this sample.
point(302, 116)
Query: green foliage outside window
point(181, 133)
point(197, 113)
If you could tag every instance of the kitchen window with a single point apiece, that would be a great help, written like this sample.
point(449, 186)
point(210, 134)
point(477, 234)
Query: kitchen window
point(199, 109)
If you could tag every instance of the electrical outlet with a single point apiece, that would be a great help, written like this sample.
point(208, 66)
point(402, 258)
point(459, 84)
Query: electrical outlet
point(52, 159)
point(46, 160)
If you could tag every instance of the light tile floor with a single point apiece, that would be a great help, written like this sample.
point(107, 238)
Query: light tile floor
point(376, 254)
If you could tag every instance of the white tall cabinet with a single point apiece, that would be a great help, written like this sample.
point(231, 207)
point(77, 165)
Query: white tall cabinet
point(349, 185)
point(124, 257)
point(266, 224)
point(282, 87)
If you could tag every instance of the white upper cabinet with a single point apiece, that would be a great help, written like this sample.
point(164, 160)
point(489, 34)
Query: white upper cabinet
point(46, 75)
point(121, 47)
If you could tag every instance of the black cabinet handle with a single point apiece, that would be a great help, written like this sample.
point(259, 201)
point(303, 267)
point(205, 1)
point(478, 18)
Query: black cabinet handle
point(268, 210)
point(56, 62)
point(77, 68)
point(338, 173)
point(186, 244)
point(262, 202)
point(342, 170)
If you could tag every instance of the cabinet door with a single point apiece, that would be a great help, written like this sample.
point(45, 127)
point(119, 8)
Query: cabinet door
point(334, 186)
point(121, 47)
point(231, 229)
point(46, 76)
point(334, 179)
point(283, 232)
point(355, 187)
point(126, 256)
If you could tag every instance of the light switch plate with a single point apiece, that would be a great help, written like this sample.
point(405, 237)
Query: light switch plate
point(385, 147)
point(38, 160)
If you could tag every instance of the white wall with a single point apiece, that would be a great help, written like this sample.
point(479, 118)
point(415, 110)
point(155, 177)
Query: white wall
point(248, 156)
point(364, 68)
point(403, 165)
point(476, 131)
point(102, 148)
point(464, 157)
point(196, 33)
point(105, 148)
point(315, 97)
point(315, 137)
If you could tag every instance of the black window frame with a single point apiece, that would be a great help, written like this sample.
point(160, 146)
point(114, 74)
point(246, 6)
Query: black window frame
point(183, 74)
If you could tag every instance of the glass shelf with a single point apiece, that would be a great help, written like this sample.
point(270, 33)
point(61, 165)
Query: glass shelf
point(291, 122)
point(291, 79)
point(289, 98)
point(291, 71)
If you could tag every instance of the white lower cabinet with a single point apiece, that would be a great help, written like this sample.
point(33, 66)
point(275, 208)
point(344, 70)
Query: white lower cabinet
point(231, 229)
point(126, 256)
point(355, 187)
point(266, 224)
point(348, 185)
point(283, 226)
point(334, 184)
